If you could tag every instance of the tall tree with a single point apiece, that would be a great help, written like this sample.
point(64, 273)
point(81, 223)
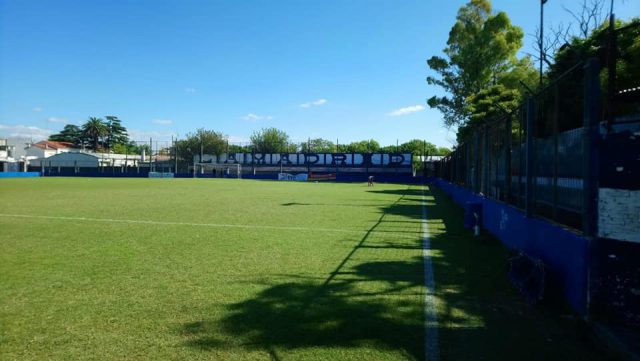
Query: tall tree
point(363, 146)
point(418, 147)
point(271, 140)
point(481, 47)
point(94, 129)
point(70, 133)
point(203, 140)
point(317, 145)
point(594, 46)
point(116, 132)
point(238, 148)
point(443, 151)
point(488, 104)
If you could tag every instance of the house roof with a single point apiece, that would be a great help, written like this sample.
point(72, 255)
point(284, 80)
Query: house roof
point(50, 144)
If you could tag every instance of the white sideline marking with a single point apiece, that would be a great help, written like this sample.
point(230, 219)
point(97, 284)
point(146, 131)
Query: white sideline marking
point(217, 225)
point(430, 312)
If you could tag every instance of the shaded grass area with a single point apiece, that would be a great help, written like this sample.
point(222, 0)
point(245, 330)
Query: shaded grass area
point(481, 315)
point(101, 290)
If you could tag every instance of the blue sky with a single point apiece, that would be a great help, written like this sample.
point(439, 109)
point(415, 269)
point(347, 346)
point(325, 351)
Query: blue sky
point(345, 69)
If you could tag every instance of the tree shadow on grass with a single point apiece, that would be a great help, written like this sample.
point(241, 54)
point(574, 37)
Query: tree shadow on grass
point(365, 303)
point(342, 314)
point(356, 305)
point(297, 315)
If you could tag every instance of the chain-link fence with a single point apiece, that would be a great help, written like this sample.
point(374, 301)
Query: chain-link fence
point(180, 155)
point(539, 157)
point(534, 156)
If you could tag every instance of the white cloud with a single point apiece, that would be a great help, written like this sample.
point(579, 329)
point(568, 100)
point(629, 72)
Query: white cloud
point(37, 109)
point(256, 117)
point(163, 121)
point(406, 110)
point(190, 90)
point(57, 120)
point(24, 131)
point(314, 103)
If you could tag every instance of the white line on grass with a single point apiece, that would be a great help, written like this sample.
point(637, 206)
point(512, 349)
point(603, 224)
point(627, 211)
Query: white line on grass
point(216, 225)
point(431, 317)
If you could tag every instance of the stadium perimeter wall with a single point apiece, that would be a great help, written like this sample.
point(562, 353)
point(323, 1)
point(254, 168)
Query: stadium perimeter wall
point(19, 174)
point(564, 253)
point(402, 178)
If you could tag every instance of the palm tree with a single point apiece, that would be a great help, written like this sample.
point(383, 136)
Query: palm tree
point(94, 129)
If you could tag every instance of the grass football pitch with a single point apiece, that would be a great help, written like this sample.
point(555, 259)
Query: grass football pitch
point(188, 269)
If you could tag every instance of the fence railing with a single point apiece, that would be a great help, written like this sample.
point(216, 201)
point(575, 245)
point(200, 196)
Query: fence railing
point(537, 157)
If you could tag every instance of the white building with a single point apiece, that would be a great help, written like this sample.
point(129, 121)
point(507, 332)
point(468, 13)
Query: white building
point(7, 161)
point(78, 160)
point(5, 151)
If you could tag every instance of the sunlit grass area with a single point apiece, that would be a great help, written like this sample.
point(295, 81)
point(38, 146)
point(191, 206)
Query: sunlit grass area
point(209, 269)
point(252, 270)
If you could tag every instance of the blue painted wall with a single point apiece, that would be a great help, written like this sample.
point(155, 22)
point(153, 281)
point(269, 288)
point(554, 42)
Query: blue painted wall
point(19, 174)
point(563, 252)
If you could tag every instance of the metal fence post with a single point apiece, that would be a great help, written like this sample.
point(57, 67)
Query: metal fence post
point(590, 142)
point(529, 152)
point(476, 163)
point(486, 162)
point(555, 118)
point(591, 173)
point(507, 159)
point(464, 149)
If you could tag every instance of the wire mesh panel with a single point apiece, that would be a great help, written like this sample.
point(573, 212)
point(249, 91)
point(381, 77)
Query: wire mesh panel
point(541, 169)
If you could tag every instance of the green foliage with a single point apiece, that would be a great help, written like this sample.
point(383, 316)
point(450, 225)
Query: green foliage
point(235, 148)
point(363, 146)
point(99, 134)
point(414, 146)
point(570, 101)
point(272, 140)
point(482, 47)
point(443, 151)
point(522, 77)
point(628, 45)
point(492, 102)
point(628, 65)
point(418, 147)
point(131, 148)
point(70, 133)
point(318, 145)
point(94, 130)
point(116, 133)
point(202, 141)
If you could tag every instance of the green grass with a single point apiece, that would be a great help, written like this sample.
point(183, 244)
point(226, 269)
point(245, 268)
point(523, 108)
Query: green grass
point(244, 270)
